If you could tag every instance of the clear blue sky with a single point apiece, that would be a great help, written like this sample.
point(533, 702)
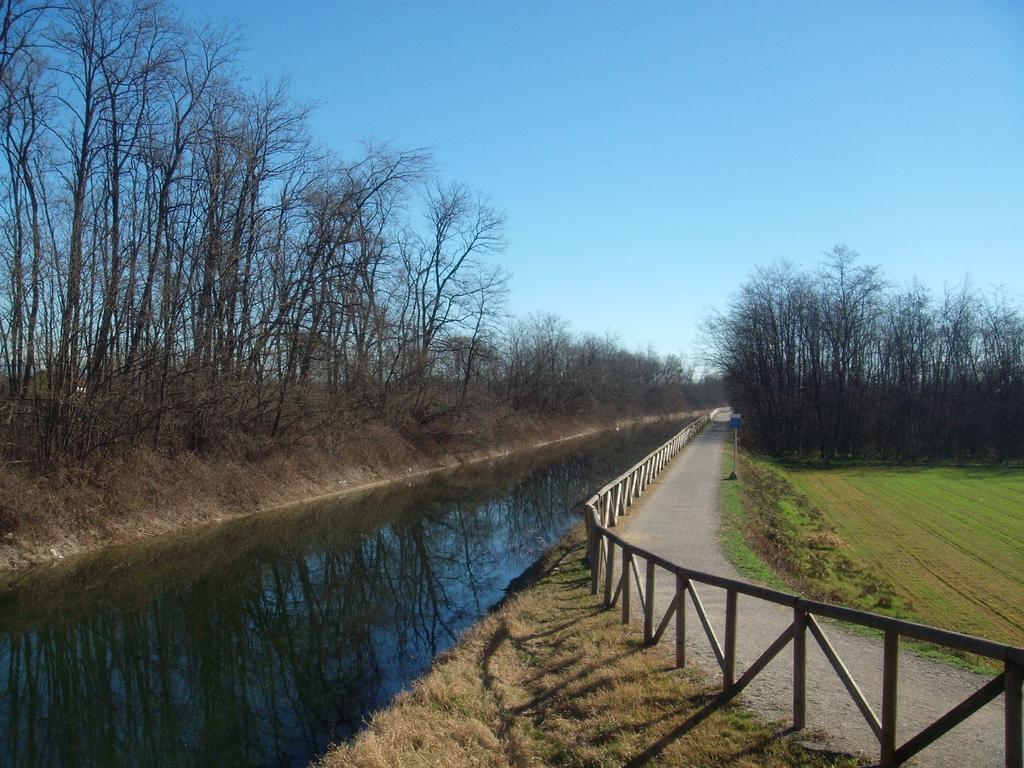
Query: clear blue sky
point(649, 155)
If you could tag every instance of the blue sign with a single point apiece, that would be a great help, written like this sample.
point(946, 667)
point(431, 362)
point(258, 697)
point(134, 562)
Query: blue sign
point(736, 421)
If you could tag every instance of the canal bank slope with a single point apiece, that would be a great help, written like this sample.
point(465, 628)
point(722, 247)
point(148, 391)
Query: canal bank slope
point(552, 678)
point(43, 520)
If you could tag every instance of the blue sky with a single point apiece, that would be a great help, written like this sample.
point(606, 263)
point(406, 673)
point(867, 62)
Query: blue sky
point(649, 155)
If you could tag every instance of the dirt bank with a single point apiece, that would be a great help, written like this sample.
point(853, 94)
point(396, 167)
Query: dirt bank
point(45, 519)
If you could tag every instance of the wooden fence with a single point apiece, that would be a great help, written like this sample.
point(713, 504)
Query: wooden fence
point(604, 547)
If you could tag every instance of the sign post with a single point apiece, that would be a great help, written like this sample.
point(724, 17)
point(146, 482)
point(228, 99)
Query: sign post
point(735, 422)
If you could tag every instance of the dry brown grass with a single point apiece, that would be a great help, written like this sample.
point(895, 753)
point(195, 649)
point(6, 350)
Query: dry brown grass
point(144, 494)
point(552, 679)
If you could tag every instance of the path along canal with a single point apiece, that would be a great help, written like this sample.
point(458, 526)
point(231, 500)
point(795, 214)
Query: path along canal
point(260, 641)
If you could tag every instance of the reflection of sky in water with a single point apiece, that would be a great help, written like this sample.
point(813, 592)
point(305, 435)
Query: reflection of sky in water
point(260, 641)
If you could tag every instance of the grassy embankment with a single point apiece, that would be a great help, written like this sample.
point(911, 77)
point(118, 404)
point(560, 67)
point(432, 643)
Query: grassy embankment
point(551, 678)
point(939, 545)
point(45, 518)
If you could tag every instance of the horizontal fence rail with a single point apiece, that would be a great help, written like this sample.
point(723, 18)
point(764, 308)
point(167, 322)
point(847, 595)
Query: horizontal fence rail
point(611, 502)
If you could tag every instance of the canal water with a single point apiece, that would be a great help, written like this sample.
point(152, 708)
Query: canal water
point(261, 641)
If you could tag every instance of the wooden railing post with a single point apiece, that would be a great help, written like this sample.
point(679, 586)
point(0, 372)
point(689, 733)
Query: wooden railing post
point(627, 562)
point(890, 675)
point(799, 668)
point(609, 570)
point(680, 621)
point(588, 525)
point(729, 667)
point(649, 604)
point(595, 552)
point(1012, 714)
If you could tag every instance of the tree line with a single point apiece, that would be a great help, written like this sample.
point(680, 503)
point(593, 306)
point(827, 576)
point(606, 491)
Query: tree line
point(184, 265)
point(836, 363)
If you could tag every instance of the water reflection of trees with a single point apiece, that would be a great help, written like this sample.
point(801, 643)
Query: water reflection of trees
point(265, 657)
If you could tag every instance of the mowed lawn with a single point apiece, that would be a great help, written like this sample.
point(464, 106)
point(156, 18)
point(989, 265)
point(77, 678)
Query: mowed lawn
point(950, 540)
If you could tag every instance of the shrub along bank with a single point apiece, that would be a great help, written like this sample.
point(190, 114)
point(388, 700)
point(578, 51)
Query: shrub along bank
point(148, 492)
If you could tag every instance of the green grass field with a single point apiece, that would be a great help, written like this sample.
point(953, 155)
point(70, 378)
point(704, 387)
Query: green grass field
point(948, 540)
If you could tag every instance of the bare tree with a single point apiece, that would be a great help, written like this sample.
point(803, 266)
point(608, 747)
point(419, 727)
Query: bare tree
point(838, 366)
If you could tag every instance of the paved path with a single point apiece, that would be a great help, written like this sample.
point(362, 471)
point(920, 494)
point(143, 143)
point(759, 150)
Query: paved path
point(677, 518)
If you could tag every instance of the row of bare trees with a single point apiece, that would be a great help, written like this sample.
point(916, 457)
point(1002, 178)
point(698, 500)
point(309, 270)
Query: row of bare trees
point(549, 370)
point(182, 264)
point(838, 364)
